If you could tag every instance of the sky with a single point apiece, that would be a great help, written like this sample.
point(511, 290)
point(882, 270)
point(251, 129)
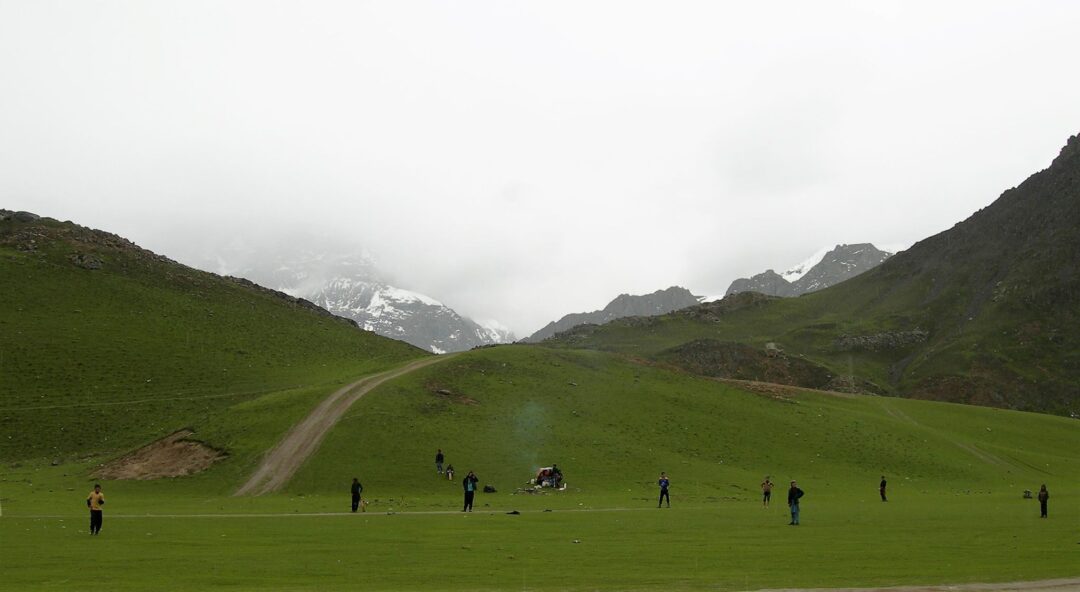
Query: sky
point(519, 161)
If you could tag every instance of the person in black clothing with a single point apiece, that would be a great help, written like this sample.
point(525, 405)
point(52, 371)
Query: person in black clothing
point(356, 489)
point(439, 458)
point(664, 483)
point(793, 496)
point(469, 485)
point(881, 489)
point(1043, 496)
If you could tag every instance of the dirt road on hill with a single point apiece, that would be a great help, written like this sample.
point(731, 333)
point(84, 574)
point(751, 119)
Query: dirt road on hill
point(303, 439)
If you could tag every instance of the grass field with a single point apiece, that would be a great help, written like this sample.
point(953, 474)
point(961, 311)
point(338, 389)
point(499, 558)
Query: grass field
point(956, 474)
point(845, 539)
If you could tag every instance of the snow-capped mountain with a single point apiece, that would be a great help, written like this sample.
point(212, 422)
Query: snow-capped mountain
point(348, 283)
point(405, 315)
point(825, 268)
point(794, 273)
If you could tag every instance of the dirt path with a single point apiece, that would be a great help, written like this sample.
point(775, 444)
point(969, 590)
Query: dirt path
point(303, 439)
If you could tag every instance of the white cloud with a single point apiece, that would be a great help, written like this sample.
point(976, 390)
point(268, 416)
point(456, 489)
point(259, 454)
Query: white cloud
point(520, 161)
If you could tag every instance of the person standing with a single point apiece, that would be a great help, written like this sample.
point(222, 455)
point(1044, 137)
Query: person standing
point(94, 501)
point(449, 472)
point(469, 484)
point(1043, 496)
point(664, 483)
point(356, 489)
point(766, 492)
point(881, 489)
point(793, 496)
point(439, 458)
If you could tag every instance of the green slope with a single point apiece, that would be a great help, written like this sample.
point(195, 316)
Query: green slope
point(987, 312)
point(98, 361)
point(614, 424)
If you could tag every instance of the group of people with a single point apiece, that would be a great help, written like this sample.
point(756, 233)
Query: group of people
point(793, 497)
point(96, 499)
point(439, 459)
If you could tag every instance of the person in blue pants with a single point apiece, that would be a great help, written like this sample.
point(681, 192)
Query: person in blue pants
point(469, 485)
point(793, 496)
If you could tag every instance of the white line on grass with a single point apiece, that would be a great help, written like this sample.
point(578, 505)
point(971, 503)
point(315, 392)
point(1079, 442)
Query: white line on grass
point(332, 514)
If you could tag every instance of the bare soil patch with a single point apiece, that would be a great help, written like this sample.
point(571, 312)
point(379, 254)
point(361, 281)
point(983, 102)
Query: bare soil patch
point(174, 455)
point(452, 396)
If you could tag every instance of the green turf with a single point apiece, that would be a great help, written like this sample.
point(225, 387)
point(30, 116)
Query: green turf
point(846, 538)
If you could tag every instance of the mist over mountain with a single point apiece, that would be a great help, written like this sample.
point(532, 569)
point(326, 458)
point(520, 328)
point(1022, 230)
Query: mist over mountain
point(348, 282)
point(825, 268)
point(624, 305)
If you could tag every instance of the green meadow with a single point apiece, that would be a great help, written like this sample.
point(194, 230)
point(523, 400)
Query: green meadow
point(731, 545)
point(956, 476)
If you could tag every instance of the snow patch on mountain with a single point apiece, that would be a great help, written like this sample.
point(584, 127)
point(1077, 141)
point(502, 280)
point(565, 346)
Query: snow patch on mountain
point(797, 271)
point(400, 295)
point(348, 282)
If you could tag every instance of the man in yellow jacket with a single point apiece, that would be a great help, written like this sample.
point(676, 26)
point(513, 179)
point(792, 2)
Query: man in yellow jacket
point(94, 501)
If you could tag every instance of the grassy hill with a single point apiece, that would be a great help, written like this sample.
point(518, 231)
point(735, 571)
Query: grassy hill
point(613, 424)
point(105, 346)
point(987, 312)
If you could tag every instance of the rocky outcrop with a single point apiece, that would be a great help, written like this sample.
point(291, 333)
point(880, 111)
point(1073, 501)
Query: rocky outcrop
point(880, 341)
point(709, 357)
point(624, 306)
point(768, 282)
point(713, 311)
point(86, 260)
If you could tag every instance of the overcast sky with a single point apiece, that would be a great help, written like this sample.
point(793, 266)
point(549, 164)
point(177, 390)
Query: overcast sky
point(524, 160)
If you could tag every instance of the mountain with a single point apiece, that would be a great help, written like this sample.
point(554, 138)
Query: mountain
point(987, 312)
point(767, 282)
point(625, 305)
point(348, 283)
point(408, 316)
point(826, 268)
point(105, 345)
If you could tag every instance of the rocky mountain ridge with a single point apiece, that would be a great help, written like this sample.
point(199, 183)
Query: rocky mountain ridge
point(834, 266)
point(624, 305)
